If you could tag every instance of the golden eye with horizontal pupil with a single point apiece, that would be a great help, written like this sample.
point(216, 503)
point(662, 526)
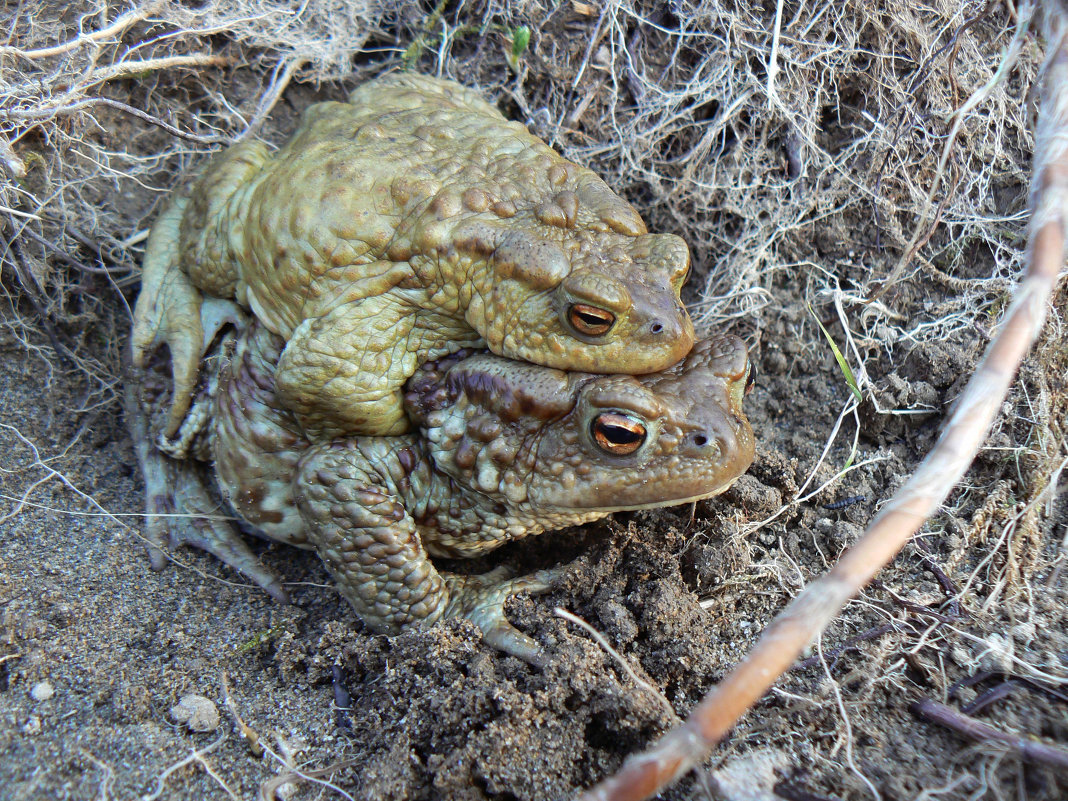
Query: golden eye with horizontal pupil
point(618, 434)
point(590, 320)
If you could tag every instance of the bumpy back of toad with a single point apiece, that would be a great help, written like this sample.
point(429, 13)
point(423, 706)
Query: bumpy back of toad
point(398, 226)
point(535, 253)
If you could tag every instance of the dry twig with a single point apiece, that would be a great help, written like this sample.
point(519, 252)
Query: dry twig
point(602, 641)
point(790, 633)
point(1029, 749)
point(269, 788)
point(195, 756)
point(255, 745)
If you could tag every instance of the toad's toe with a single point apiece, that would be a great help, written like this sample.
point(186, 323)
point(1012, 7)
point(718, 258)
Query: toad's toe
point(481, 600)
point(204, 525)
point(181, 510)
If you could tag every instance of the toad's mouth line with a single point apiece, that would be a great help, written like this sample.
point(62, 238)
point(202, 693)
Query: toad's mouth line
point(655, 505)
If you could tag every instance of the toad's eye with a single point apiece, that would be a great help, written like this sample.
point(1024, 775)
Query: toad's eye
point(590, 320)
point(750, 380)
point(618, 434)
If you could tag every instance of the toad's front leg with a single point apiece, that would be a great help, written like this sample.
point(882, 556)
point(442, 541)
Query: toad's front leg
point(343, 374)
point(352, 495)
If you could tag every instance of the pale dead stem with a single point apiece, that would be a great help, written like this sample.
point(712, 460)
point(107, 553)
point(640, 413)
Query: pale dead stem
point(112, 31)
point(109, 775)
point(196, 756)
point(280, 78)
point(645, 774)
point(68, 101)
point(292, 774)
point(123, 68)
point(46, 112)
point(11, 161)
point(602, 641)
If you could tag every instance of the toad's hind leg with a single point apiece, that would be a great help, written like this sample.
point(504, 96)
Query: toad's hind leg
point(171, 311)
point(180, 508)
point(168, 311)
point(188, 251)
point(350, 496)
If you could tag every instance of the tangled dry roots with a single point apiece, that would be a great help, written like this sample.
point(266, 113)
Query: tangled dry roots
point(791, 145)
point(794, 146)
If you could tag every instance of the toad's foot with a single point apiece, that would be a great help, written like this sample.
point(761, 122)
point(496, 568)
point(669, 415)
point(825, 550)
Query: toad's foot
point(181, 510)
point(481, 600)
point(171, 311)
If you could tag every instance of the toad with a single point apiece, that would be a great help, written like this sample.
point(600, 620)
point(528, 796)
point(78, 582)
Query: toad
point(501, 450)
point(393, 229)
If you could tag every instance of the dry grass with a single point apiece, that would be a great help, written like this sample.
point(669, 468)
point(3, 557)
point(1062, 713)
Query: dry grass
point(99, 113)
point(803, 151)
point(800, 152)
point(796, 147)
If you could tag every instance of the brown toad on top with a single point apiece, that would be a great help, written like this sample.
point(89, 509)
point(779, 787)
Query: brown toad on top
point(503, 450)
point(395, 228)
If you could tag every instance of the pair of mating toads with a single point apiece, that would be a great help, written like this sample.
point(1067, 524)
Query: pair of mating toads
point(327, 309)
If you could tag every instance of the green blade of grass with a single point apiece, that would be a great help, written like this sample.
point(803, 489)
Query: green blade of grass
point(842, 364)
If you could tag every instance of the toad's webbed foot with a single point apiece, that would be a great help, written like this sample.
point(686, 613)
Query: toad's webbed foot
point(481, 600)
point(168, 311)
point(342, 374)
point(180, 507)
point(171, 311)
point(182, 511)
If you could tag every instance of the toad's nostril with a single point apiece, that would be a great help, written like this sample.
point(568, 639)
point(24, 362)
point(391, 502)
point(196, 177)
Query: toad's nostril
point(657, 327)
point(700, 440)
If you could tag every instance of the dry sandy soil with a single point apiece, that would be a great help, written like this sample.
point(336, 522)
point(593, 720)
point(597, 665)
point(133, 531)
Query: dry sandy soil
point(799, 189)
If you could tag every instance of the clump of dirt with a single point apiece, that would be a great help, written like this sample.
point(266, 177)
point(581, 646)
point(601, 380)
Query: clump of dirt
point(795, 147)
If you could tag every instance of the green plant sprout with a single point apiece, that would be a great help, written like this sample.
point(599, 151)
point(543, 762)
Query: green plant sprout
point(843, 365)
point(520, 40)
